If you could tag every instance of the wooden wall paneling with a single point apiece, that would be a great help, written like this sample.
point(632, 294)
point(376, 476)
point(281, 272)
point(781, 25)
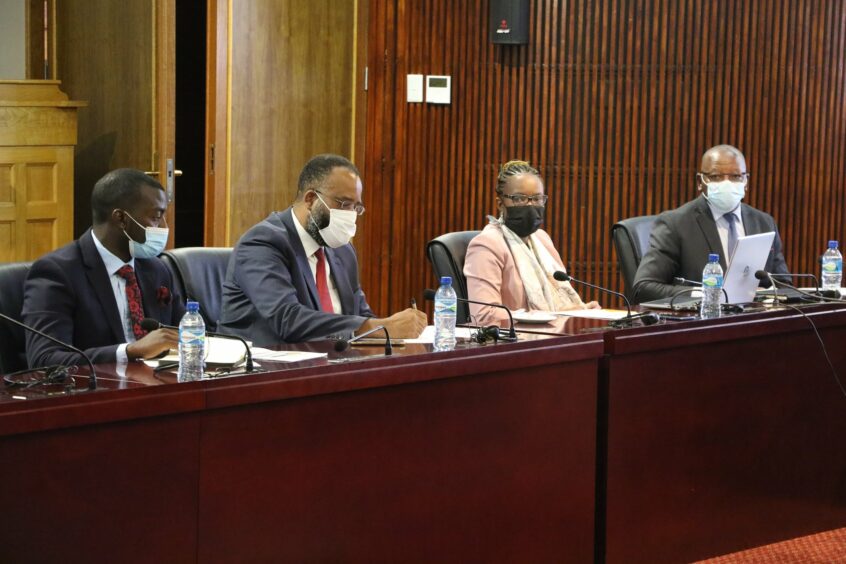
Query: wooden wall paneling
point(615, 101)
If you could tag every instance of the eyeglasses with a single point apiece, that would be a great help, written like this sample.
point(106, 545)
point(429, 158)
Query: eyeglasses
point(346, 205)
point(714, 178)
point(524, 200)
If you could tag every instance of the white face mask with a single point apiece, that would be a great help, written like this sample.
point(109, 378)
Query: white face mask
point(725, 196)
point(154, 242)
point(341, 226)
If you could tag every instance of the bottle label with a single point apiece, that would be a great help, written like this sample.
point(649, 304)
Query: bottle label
point(188, 337)
point(712, 281)
point(832, 266)
point(446, 308)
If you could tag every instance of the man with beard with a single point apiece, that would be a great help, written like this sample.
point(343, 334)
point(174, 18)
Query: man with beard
point(294, 276)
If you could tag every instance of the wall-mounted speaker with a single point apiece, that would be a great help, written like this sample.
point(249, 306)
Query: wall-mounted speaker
point(509, 22)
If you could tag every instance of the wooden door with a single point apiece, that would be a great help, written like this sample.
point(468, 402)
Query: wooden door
point(118, 56)
point(285, 81)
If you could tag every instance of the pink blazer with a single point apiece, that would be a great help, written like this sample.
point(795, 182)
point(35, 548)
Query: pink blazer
point(492, 274)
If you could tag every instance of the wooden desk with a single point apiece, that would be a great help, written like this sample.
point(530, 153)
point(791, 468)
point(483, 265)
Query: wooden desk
point(722, 435)
point(481, 454)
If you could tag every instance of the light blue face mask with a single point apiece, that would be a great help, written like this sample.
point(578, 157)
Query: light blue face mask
point(154, 244)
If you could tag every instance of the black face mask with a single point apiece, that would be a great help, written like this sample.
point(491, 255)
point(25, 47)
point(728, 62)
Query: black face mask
point(524, 220)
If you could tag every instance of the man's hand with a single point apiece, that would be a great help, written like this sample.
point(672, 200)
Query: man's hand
point(593, 305)
point(153, 344)
point(406, 324)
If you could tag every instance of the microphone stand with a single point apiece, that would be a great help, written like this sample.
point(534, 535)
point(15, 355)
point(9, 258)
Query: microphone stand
point(647, 318)
point(92, 377)
point(429, 295)
point(150, 324)
point(343, 344)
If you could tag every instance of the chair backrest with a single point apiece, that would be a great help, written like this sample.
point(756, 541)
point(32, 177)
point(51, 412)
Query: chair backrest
point(12, 337)
point(631, 239)
point(446, 253)
point(198, 273)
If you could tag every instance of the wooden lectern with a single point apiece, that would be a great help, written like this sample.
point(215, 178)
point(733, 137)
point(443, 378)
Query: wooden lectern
point(37, 139)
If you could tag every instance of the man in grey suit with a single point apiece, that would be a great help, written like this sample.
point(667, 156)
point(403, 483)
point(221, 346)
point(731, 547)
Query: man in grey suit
point(682, 238)
point(294, 276)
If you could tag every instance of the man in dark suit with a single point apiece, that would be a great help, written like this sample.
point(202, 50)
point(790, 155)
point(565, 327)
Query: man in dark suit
point(682, 238)
point(94, 292)
point(294, 276)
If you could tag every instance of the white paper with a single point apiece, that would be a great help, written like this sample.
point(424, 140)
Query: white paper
point(219, 351)
point(427, 337)
point(607, 314)
point(284, 356)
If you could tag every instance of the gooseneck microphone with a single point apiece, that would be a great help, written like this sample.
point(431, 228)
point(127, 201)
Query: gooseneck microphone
point(150, 324)
point(92, 377)
point(764, 275)
point(429, 295)
point(343, 344)
point(648, 318)
point(796, 275)
point(679, 281)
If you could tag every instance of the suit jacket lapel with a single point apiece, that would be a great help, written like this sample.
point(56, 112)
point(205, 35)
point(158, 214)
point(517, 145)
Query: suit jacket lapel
point(287, 219)
point(342, 283)
point(706, 222)
point(751, 225)
point(97, 276)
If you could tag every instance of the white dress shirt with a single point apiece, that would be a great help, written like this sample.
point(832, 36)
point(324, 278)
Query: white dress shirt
point(113, 264)
point(723, 228)
point(310, 246)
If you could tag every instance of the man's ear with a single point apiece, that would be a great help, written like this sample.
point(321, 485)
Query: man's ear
point(118, 218)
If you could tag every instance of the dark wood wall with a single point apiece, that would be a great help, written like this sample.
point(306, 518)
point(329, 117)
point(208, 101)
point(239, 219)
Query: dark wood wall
point(614, 101)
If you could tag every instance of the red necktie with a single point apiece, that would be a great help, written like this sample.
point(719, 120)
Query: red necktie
point(322, 284)
point(133, 297)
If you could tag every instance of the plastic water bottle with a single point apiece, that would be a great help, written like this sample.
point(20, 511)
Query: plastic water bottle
point(712, 288)
point(832, 267)
point(446, 307)
point(192, 344)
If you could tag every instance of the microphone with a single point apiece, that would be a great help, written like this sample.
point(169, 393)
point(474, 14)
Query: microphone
point(646, 318)
point(92, 378)
point(764, 275)
point(150, 324)
point(429, 294)
point(679, 281)
point(795, 275)
point(343, 344)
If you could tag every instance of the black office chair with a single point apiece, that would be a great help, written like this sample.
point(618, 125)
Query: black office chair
point(446, 253)
point(198, 274)
point(12, 337)
point(631, 239)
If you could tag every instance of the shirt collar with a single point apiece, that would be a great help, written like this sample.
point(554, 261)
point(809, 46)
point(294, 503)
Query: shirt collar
point(112, 262)
point(310, 246)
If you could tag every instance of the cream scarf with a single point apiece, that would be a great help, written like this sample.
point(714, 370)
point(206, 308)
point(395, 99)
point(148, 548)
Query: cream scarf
point(536, 266)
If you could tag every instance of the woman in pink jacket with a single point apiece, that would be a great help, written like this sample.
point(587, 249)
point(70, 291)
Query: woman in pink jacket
point(512, 260)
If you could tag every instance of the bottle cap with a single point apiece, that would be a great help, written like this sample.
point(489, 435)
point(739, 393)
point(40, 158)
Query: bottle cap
point(446, 281)
point(832, 244)
point(713, 257)
point(192, 307)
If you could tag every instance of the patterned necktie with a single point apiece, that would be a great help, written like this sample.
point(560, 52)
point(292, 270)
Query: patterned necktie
point(732, 238)
point(133, 297)
point(322, 285)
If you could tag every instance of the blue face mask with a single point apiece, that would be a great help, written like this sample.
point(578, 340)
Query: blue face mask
point(153, 245)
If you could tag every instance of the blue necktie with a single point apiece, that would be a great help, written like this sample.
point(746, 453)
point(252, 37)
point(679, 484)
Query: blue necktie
point(732, 239)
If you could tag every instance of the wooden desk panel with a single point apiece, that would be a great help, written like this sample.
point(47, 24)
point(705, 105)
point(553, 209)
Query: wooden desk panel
point(733, 441)
point(486, 468)
point(118, 492)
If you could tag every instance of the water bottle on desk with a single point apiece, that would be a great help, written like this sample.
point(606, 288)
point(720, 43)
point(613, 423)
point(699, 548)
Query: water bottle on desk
point(446, 307)
point(192, 344)
point(712, 288)
point(832, 268)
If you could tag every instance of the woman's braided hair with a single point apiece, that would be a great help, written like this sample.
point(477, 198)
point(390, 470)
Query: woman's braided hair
point(510, 170)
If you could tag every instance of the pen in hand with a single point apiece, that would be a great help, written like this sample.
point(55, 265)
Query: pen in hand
point(413, 304)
